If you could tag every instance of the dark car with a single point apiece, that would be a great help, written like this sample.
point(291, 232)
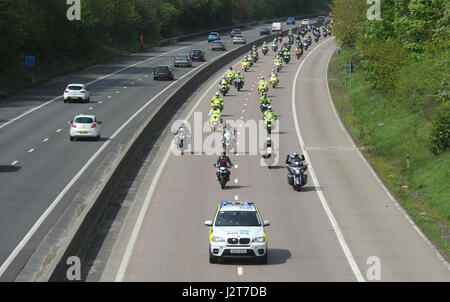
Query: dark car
point(197, 55)
point(264, 31)
point(217, 45)
point(235, 31)
point(163, 72)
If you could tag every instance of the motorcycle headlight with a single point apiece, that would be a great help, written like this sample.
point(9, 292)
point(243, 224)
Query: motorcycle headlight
point(297, 171)
point(259, 239)
point(217, 239)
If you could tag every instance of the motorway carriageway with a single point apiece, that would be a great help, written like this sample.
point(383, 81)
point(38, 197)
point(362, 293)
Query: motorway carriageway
point(335, 229)
point(37, 160)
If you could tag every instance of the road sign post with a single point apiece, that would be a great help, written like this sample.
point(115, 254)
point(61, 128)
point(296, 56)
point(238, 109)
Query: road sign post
point(350, 69)
point(30, 62)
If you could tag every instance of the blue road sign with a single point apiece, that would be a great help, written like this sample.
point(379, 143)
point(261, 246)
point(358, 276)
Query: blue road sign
point(29, 61)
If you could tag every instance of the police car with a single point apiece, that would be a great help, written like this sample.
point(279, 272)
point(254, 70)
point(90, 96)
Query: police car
point(237, 231)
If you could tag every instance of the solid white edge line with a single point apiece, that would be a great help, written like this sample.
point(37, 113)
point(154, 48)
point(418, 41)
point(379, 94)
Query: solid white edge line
point(135, 233)
point(332, 219)
point(55, 202)
point(383, 186)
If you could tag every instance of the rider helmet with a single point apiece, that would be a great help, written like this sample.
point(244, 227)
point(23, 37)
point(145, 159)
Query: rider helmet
point(217, 93)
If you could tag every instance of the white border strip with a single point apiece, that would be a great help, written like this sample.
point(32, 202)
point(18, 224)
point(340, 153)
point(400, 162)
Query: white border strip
point(336, 228)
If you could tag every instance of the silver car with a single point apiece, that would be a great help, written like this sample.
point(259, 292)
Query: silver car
point(85, 126)
point(217, 45)
point(76, 92)
point(239, 39)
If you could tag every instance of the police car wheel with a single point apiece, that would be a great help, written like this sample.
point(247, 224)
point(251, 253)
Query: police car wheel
point(212, 258)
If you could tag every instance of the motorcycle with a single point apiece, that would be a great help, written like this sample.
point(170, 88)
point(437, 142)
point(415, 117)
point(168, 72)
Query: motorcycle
point(305, 45)
point(269, 126)
point(214, 123)
point(265, 50)
point(273, 81)
point(263, 107)
point(255, 57)
point(261, 90)
point(239, 84)
point(224, 89)
point(287, 59)
point(230, 79)
point(296, 174)
point(223, 175)
point(245, 66)
point(274, 47)
point(278, 66)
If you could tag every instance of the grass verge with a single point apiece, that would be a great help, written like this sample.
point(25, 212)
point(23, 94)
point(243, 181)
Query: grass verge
point(388, 134)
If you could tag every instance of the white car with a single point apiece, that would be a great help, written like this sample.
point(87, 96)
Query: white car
point(85, 126)
point(237, 231)
point(76, 92)
point(239, 39)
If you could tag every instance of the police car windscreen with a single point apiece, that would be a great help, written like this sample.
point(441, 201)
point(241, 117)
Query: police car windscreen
point(238, 218)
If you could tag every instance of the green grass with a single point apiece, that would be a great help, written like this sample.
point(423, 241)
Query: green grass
point(388, 133)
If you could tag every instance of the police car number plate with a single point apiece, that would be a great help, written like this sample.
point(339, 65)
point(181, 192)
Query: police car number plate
point(238, 251)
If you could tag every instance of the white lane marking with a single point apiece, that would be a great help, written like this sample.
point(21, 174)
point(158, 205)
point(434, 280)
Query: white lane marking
point(90, 83)
point(55, 202)
point(240, 271)
point(31, 150)
point(109, 97)
point(137, 227)
point(336, 228)
point(385, 189)
point(14, 163)
point(139, 79)
point(125, 87)
point(236, 166)
point(59, 130)
point(46, 139)
point(132, 83)
point(117, 91)
point(236, 180)
point(236, 197)
point(101, 102)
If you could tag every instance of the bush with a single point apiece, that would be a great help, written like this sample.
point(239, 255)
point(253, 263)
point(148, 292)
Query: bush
point(440, 136)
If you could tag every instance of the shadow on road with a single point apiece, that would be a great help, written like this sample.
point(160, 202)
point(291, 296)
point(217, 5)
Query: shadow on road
point(8, 168)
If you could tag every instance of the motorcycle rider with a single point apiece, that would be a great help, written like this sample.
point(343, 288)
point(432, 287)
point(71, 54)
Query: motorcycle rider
point(269, 115)
point(268, 152)
point(216, 117)
point(265, 45)
point(230, 75)
point(294, 157)
point(223, 161)
point(217, 101)
point(215, 110)
point(224, 82)
point(264, 102)
point(263, 84)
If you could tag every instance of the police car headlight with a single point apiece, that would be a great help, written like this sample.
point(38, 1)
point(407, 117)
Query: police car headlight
point(259, 239)
point(217, 239)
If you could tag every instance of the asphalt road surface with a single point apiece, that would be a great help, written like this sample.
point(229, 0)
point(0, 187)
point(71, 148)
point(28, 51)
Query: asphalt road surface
point(37, 160)
point(338, 228)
